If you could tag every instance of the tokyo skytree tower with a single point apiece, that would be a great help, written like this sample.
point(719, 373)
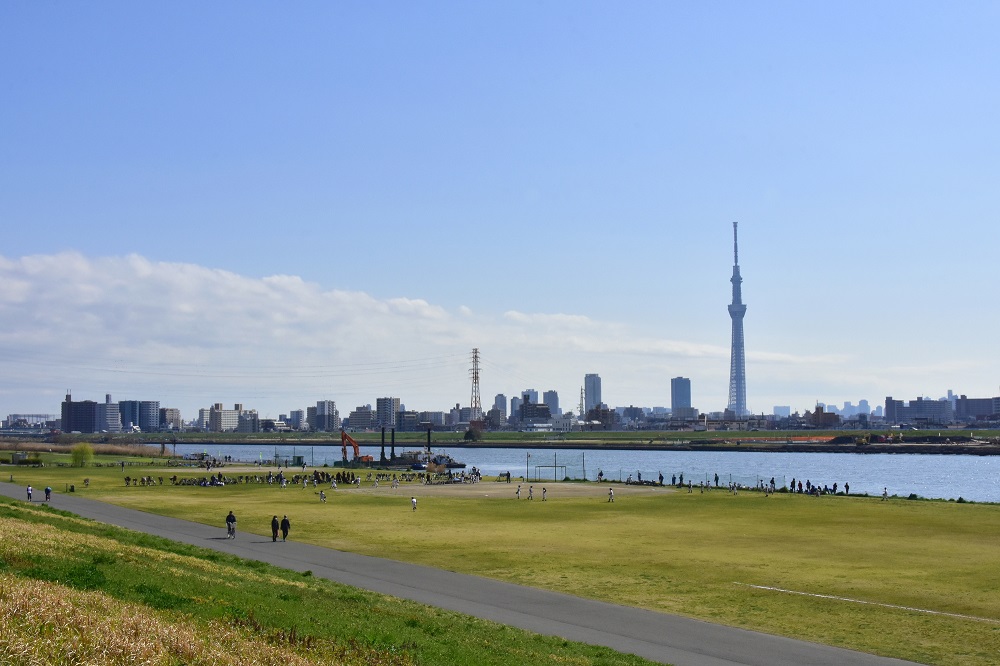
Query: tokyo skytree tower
point(737, 362)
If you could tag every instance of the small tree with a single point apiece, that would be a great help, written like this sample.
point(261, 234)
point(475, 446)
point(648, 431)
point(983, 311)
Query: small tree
point(82, 454)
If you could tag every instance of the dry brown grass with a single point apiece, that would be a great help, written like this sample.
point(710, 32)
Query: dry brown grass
point(123, 450)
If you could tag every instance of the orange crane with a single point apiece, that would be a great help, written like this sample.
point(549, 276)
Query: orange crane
point(344, 439)
point(358, 458)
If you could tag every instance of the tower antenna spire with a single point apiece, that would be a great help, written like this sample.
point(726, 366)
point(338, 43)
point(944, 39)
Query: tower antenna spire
point(737, 362)
point(736, 246)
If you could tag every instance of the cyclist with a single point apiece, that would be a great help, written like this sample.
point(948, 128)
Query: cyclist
point(230, 526)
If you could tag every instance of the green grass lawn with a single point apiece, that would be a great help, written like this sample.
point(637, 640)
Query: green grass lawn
point(77, 592)
point(912, 579)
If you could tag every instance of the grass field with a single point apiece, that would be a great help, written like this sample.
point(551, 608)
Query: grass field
point(912, 579)
point(77, 592)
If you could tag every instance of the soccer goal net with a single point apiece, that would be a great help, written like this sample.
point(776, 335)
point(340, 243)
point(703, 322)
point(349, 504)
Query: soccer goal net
point(556, 466)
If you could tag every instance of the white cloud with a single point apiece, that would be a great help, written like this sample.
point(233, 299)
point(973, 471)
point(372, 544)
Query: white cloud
point(190, 336)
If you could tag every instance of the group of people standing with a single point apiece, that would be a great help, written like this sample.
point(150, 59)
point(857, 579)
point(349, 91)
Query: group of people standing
point(531, 493)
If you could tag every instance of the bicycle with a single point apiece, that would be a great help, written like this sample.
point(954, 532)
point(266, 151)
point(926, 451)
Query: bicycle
point(230, 530)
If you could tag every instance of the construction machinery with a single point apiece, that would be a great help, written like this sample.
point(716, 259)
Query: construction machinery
point(346, 439)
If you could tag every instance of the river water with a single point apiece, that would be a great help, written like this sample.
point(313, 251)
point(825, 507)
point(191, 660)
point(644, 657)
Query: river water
point(974, 478)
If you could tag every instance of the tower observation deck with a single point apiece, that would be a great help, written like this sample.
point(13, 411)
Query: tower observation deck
point(737, 363)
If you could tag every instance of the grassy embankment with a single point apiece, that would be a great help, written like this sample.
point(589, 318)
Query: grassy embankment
point(74, 592)
point(692, 554)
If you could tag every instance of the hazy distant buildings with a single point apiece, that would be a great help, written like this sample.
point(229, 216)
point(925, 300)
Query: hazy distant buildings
point(297, 417)
point(920, 410)
point(782, 411)
point(435, 419)
point(531, 393)
point(591, 392)
point(515, 409)
point(533, 412)
point(407, 421)
point(500, 404)
point(968, 409)
point(551, 398)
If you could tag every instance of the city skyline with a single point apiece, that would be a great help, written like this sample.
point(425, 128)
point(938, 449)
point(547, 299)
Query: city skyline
point(144, 414)
point(339, 202)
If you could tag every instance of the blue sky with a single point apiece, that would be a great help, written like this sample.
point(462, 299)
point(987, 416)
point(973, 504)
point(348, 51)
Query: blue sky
point(273, 204)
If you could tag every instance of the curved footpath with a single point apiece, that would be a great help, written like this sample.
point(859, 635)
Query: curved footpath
point(656, 636)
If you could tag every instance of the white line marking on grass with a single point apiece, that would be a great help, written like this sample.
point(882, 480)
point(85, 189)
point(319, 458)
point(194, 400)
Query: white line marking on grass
point(869, 603)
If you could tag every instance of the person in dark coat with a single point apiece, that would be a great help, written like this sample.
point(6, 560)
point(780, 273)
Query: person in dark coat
point(285, 526)
point(274, 529)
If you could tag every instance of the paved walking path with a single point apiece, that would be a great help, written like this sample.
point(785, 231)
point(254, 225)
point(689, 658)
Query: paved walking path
point(656, 636)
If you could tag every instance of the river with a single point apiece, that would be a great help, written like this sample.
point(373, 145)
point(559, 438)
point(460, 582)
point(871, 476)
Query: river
point(974, 478)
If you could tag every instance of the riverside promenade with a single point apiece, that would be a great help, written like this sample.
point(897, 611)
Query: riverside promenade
point(656, 636)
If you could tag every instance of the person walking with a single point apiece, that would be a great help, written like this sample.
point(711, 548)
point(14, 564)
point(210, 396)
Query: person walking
point(48, 493)
point(285, 526)
point(885, 494)
point(611, 494)
point(516, 492)
point(230, 526)
point(274, 529)
point(544, 492)
point(29, 493)
point(413, 501)
point(531, 492)
point(322, 497)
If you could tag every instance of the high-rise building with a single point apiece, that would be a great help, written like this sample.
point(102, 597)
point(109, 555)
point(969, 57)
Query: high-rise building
point(327, 416)
point(224, 420)
point(515, 408)
point(144, 414)
point(149, 415)
point(248, 421)
point(79, 416)
point(680, 393)
point(128, 410)
point(591, 391)
point(385, 412)
point(551, 398)
point(296, 418)
point(107, 416)
point(680, 399)
point(362, 418)
point(530, 394)
point(432, 418)
point(170, 418)
point(737, 359)
point(500, 403)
